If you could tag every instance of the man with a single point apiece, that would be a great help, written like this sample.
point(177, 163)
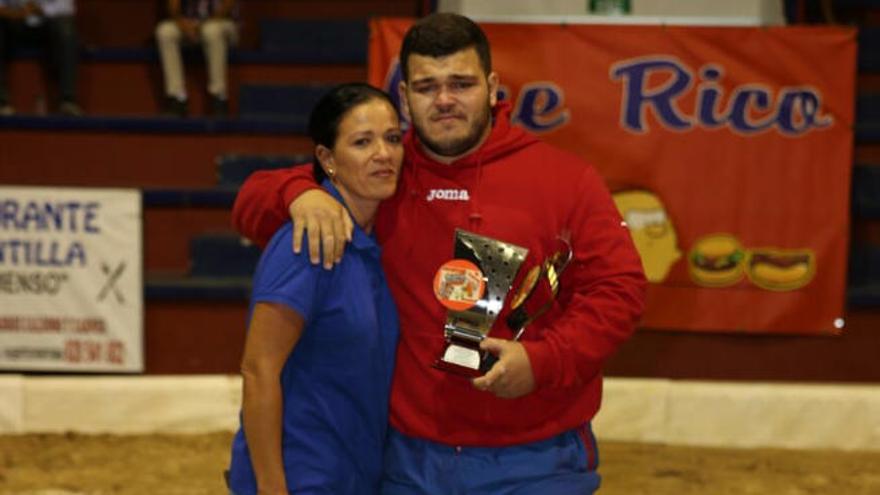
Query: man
point(47, 23)
point(523, 427)
point(209, 22)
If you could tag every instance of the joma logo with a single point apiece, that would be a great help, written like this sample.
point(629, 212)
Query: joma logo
point(448, 195)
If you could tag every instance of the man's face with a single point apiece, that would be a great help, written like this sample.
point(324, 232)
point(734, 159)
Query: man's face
point(449, 101)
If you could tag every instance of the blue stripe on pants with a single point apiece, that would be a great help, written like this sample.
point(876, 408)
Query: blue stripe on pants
point(561, 465)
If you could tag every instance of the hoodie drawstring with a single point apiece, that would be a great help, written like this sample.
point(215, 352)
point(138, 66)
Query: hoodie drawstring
point(475, 218)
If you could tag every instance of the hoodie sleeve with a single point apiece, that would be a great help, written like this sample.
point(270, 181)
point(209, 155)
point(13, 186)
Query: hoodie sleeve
point(605, 296)
point(261, 206)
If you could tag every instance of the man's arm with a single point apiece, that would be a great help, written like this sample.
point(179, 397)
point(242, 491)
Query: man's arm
point(269, 198)
point(174, 11)
point(22, 12)
point(189, 27)
point(606, 294)
point(603, 296)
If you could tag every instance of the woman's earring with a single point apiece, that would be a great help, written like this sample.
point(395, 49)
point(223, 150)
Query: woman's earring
point(331, 173)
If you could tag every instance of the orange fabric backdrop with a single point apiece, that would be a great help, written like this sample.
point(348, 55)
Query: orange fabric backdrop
point(729, 151)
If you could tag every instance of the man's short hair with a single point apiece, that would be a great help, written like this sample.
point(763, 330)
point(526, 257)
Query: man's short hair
point(442, 34)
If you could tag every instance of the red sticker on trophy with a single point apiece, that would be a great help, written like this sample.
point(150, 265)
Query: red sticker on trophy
point(459, 284)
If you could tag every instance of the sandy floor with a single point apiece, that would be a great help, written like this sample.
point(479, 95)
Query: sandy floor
point(192, 465)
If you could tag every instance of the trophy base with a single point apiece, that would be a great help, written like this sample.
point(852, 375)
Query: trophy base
point(460, 359)
point(457, 369)
point(465, 361)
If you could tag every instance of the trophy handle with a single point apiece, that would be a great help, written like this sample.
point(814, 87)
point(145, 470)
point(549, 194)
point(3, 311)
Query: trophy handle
point(551, 270)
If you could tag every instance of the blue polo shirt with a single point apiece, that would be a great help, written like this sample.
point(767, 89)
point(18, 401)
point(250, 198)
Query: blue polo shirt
point(337, 380)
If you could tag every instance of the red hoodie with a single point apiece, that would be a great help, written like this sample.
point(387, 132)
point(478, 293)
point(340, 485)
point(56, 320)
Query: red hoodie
point(520, 190)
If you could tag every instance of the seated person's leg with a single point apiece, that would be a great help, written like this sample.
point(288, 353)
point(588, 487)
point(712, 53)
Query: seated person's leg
point(63, 52)
point(168, 38)
point(5, 107)
point(15, 33)
point(217, 36)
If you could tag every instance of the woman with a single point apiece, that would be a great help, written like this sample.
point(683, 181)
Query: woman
point(320, 347)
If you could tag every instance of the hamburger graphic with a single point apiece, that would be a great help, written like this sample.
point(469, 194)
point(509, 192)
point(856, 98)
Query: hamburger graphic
point(780, 269)
point(716, 260)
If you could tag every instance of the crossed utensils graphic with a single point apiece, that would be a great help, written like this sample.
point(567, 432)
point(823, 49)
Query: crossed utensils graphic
point(110, 285)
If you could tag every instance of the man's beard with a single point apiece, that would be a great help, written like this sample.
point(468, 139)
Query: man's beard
point(456, 147)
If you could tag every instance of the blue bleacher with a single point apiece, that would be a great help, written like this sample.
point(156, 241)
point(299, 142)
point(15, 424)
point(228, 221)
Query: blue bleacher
point(867, 127)
point(282, 41)
point(865, 193)
point(233, 169)
point(850, 4)
point(222, 255)
point(221, 263)
point(289, 103)
point(216, 197)
point(221, 268)
point(158, 124)
point(868, 108)
point(869, 49)
point(864, 266)
point(863, 281)
point(316, 41)
point(158, 287)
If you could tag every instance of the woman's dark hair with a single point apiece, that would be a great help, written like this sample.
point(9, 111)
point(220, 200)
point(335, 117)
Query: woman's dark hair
point(329, 111)
point(442, 34)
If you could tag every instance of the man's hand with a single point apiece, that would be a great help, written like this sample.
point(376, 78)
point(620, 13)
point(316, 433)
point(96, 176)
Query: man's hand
point(21, 12)
point(224, 11)
point(32, 8)
point(328, 223)
point(189, 28)
point(511, 377)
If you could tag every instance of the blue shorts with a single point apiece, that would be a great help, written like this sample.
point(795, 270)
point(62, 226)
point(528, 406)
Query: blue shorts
point(561, 465)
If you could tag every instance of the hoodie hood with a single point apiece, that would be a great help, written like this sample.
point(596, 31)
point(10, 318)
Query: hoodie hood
point(503, 140)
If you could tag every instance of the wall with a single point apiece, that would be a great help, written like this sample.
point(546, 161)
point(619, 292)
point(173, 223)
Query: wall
point(206, 337)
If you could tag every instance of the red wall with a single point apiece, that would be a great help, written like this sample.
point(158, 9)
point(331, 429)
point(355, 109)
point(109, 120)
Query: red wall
point(206, 337)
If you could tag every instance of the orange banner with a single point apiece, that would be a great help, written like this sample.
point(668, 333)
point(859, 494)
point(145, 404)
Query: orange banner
point(728, 151)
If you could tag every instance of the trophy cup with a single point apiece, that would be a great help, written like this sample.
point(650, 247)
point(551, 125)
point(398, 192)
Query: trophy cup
point(473, 287)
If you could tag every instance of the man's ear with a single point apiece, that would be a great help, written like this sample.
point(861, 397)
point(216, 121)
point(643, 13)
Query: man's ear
point(404, 101)
point(494, 82)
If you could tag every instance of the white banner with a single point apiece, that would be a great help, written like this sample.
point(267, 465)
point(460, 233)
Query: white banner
point(71, 286)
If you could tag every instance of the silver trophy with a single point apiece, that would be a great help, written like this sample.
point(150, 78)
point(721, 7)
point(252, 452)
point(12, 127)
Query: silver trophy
point(473, 287)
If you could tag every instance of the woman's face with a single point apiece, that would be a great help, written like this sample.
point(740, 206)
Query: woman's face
point(366, 158)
